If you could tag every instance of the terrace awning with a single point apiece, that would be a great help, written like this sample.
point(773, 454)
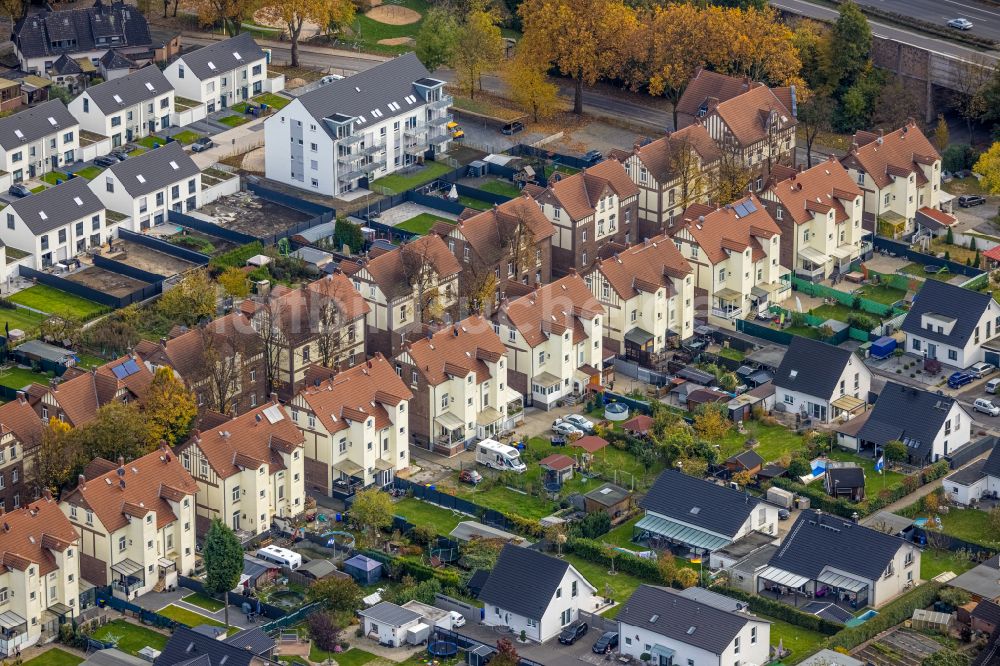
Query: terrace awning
point(638, 336)
point(813, 255)
point(759, 293)
point(842, 251)
point(166, 563)
point(488, 416)
point(349, 467)
point(450, 421)
point(546, 379)
point(848, 403)
point(660, 651)
point(727, 294)
point(782, 577)
point(383, 465)
point(127, 567)
point(841, 581)
point(59, 609)
point(689, 536)
point(11, 620)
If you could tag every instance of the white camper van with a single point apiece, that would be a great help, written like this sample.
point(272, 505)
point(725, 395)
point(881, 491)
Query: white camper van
point(280, 556)
point(493, 454)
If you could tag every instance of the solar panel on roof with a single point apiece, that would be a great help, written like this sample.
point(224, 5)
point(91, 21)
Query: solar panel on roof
point(740, 210)
point(119, 371)
point(131, 367)
point(749, 205)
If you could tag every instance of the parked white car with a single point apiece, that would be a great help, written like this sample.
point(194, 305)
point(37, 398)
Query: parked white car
point(457, 619)
point(565, 428)
point(986, 407)
point(980, 370)
point(580, 422)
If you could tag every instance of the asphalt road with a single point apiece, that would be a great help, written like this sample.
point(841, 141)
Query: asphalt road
point(985, 18)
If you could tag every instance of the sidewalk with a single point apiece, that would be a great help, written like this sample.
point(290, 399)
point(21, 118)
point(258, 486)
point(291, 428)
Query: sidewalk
point(924, 490)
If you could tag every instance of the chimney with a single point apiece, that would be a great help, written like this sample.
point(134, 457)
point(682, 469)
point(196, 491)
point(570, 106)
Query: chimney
point(81, 481)
point(121, 461)
point(163, 342)
point(196, 435)
point(274, 397)
point(20, 397)
point(819, 516)
point(54, 384)
point(47, 494)
point(881, 137)
point(163, 445)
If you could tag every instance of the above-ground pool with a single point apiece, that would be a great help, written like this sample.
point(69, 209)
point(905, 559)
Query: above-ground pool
point(616, 411)
point(286, 599)
point(861, 619)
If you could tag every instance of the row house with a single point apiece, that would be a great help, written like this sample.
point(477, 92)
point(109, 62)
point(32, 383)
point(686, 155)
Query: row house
point(147, 187)
point(136, 523)
point(222, 363)
point(670, 173)
point(20, 436)
point(555, 341)
point(57, 224)
point(820, 214)
point(754, 130)
point(356, 427)
point(405, 288)
point(38, 140)
point(511, 242)
point(127, 108)
point(248, 469)
point(221, 74)
point(458, 377)
point(734, 252)
point(321, 322)
point(707, 89)
point(347, 133)
point(648, 295)
point(40, 577)
point(588, 210)
point(899, 174)
point(76, 399)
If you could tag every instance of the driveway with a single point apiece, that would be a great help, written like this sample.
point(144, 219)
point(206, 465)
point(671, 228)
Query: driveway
point(550, 653)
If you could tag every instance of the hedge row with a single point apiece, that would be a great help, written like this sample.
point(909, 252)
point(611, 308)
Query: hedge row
point(781, 611)
point(237, 257)
point(595, 551)
point(889, 616)
point(416, 570)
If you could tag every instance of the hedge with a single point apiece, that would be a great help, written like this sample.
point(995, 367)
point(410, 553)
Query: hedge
point(781, 611)
point(237, 257)
point(889, 616)
point(416, 570)
point(596, 552)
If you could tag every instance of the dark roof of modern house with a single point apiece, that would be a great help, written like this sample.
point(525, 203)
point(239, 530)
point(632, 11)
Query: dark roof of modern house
point(185, 645)
point(155, 169)
point(964, 305)
point(391, 82)
point(78, 30)
point(115, 60)
point(699, 503)
point(477, 580)
point(255, 640)
point(523, 581)
point(689, 621)
point(811, 367)
point(846, 477)
point(992, 466)
point(66, 66)
point(817, 541)
point(907, 414)
point(988, 611)
point(35, 123)
point(136, 88)
point(390, 614)
point(970, 473)
point(57, 206)
point(222, 57)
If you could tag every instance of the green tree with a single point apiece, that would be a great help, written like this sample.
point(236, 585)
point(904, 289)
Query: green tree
point(506, 655)
point(234, 281)
point(119, 430)
point(686, 577)
point(531, 87)
point(949, 237)
point(667, 567)
point(170, 407)
point(435, 41)
point(347, 233)
point(995, 520)
point(710, 423)
point(946, 657)
point(341, 595)
point(57, 457)
point(481, 553)
point(479, 45)
point(223, 556)
point(371, 512)
point(850, 47)
point(190, 301)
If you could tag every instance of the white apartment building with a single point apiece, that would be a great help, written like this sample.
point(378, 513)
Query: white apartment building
point(126, 108)
point(347, 133)
point(56, 224)
point(221, 74)
point(355, 425)
point(148, 186)
point(136, 523)
point(249, 469)
point(38, 140)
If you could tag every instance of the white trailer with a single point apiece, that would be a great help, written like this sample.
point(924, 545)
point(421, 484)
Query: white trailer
point(499, 456)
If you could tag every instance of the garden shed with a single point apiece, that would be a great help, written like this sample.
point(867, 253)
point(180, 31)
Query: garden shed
point(364, 570)
point(932, 621)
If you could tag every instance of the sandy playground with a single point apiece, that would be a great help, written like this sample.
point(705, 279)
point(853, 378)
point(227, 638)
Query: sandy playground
point(393, 15)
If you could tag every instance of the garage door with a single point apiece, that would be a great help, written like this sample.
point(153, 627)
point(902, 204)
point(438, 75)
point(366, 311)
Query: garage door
point(992, 357)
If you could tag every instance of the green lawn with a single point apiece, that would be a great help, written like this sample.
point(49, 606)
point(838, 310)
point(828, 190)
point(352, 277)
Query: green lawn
point(874, 482)
point(370, 32)
point(131, 637)
point(561, 168)
point(475, 204)
point(353, 657)
point(90, 173)
point(622, 535)
point(186, 137)
point(835, 311)
point(803, 331)
point(138, 150)
point(277, 101)
point(622, 585)
point(26, 320)
point(801, 642)
point(422, 223)
point(934, 561)
point(53, 176)
point(918, 271)
point(502, 187)
point(203, 601)
point(235, 121)
point(54, 657)
point(732, 354)
point(18, 378)
point(186, 617)
point(774, 441)
point(151, 141)
point(40, 188)
point(970, 524)
point(505, 500)
point(882, 293)
point(424, 513)
point(60, 303)
point(395, 183)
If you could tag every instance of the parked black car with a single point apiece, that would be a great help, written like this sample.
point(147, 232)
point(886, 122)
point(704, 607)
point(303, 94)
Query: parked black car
point(204, 143)
point(19, 190)
point(571, 634)
point(105, 161)
point(513, 128)
point(594, 156)
point(119, 155)
point(606, 643)
point(970, 200)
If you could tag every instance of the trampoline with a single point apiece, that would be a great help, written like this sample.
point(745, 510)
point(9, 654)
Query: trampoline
point(442, 649)
point(339, 540)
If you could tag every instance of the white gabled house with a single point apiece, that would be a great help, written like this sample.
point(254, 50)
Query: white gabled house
point(223, 74)
point(150, 185)
point(953, 325)
point(127, 108)
point(38, 140)
point(532, 592)
point(975, 481)
point(821, 381)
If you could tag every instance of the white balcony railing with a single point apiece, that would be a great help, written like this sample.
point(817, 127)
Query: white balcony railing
point(727, 313)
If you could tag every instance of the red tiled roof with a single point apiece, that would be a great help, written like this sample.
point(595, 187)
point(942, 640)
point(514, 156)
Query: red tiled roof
point(28, 534)
point(747, 116)
point(724, 230)
point(938, 216)
point(389, 271)
point(896, 153)
point(639, 423)
point(485, 230)
point(591, 443)
point(455, 350)
point(557, 461)
point(580, 193)
point(820, 188)
point(649, 265)
point(559, 303)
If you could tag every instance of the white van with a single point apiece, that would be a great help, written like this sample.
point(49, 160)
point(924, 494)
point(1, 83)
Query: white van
point(280, 556)
point(493, 454)
point(993, 386)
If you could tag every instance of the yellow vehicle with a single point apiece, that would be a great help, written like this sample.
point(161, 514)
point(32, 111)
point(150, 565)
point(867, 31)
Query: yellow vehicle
point(456, 131)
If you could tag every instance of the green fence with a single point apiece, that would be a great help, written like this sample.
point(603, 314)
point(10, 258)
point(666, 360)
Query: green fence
point(842, 297)
point(977, 283)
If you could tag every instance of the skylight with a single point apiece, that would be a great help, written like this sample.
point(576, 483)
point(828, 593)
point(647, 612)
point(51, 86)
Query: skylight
point(173, 165)
point(78, 200)
point(211, 65)
point(42, 215)
point(149, 87)
point(793, 374)
point(695, 510)
point(118, 99)
point(237, 55)
point(140, 178)
point(19, 134)
point(52, 121)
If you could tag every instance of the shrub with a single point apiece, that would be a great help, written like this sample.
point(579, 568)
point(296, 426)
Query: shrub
point(237, 257)
point(596, 552)
point(324, 630)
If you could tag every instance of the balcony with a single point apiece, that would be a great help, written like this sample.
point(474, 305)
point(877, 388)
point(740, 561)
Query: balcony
point(352, 139)
point(372, 149)
point(375, 164)
point(350, 176)
point(727, 312)
point(443, 103)
point(415, 148)
point(440, 122)
point(349, 158)
point(412, 132)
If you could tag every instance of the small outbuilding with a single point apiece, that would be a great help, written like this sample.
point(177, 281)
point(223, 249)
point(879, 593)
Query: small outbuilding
point(847, 481)
point(558, 468)
point(318, 569)
point(467, 530)
point(932, 621)
point(745, 461)
point(364, 570)
point(638, 425)
point(387, 623)
point(609, 498)
point(985, 617)
point(591, 443)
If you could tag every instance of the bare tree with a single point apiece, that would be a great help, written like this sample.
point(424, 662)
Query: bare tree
point(971, 76)
point(222, 369)
point(273, 321)
point(517, 240)
point(735, 174)
point(816, 116)
point(330, 332)
point(421, 276)
point(686, 165)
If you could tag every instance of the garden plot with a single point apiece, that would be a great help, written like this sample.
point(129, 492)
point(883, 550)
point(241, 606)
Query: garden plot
point(899, 648)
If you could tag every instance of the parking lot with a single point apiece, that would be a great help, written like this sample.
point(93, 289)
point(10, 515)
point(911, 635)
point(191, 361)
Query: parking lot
point(148, 259)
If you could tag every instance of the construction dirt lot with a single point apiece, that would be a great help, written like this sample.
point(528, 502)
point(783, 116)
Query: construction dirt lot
point(148, 259)
point(252, 215)
point(106, 281)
